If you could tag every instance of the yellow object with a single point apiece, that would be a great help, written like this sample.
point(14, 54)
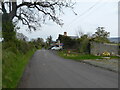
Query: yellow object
point(106, 54)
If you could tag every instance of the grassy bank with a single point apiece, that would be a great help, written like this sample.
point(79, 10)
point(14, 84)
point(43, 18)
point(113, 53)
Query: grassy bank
point(14, 60)
point(79, 56)
point(0, 65)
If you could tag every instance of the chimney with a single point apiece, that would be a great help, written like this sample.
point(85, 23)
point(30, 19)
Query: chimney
point(65, 33)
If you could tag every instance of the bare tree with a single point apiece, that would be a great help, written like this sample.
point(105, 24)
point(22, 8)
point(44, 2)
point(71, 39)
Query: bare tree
point(34, 12)
point(89, 34)
point(79, 32)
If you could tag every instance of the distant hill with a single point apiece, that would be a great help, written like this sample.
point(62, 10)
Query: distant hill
point(115, 40)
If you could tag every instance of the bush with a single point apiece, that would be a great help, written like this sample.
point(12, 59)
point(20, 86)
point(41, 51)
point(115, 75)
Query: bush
point(17, 45)
point(15, 56)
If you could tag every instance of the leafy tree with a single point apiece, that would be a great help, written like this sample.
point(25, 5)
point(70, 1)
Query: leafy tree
point(84, 44)
point(40, 41)
point(85, 36)
point(67, 41)
point(101, 35)
point(49, 40)
point(32, 13)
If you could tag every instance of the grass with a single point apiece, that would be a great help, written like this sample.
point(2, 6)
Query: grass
point(13, 65)
point(114, 57)
point(78, 56)
point(0, 65)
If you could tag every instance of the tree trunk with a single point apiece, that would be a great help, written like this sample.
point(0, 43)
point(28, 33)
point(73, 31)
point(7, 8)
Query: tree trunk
point(7, 24)
point(7, 28)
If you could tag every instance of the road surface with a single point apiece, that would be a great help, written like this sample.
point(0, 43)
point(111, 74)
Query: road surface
point(47, 70)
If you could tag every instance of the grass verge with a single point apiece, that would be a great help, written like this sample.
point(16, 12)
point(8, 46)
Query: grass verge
point(78, 56)
point(13, 65)
point(0, 65)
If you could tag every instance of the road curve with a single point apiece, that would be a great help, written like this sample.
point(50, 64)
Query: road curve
point(47, 70)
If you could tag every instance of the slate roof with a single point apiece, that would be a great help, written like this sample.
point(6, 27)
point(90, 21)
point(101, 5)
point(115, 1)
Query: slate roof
point(73, 37)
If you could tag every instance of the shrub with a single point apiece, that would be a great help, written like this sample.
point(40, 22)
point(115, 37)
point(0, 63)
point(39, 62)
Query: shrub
point(15, 56)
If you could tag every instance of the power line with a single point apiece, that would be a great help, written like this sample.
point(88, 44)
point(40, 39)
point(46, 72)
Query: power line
point(86, 11)
point(94, 9)
point(83, 13)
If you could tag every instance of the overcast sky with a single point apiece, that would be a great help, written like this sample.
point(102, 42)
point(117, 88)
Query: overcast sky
point(90, 15)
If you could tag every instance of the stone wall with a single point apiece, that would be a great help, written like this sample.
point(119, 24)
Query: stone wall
point(99, 48)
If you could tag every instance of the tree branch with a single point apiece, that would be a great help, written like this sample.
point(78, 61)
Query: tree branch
point(29, 17)
point(25, 22)
point(30, 4)
point(3, 8)
point(10, 7)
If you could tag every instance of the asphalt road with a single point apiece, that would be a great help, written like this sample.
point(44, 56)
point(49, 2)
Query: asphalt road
point(47, 70)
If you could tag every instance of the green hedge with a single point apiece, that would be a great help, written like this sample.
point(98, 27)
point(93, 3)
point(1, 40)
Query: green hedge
point(15, 56)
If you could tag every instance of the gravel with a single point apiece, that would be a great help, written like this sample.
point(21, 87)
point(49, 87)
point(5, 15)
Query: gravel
point(110, 64)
